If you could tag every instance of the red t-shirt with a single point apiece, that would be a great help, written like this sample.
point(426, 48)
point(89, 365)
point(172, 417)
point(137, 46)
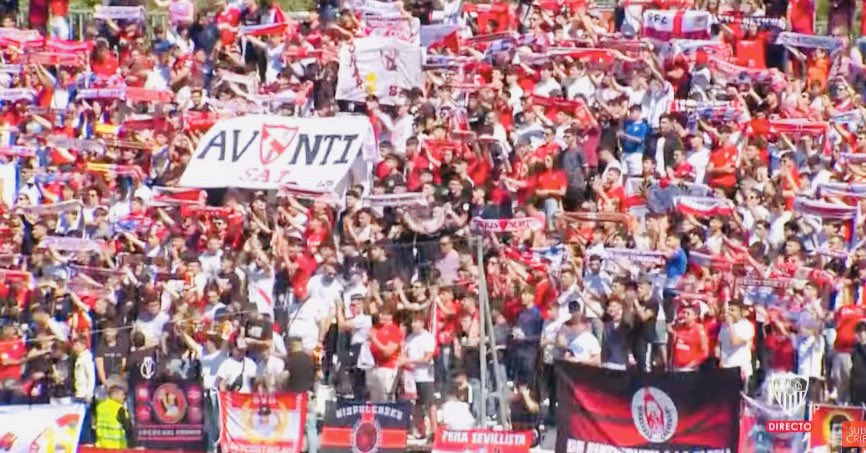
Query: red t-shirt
point(687, 345)
point(107, 67)
point(781, 352)
point(545, 296)
point(750, 53)
point(551, 180)
point(847, 318)
point(802, 16)
point(446, 326)
point(720, 158)
point(306, 266)
point(386, 334)
point(12, 350)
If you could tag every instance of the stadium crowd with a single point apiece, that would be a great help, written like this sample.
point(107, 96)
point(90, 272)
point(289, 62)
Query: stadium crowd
point(643, 197)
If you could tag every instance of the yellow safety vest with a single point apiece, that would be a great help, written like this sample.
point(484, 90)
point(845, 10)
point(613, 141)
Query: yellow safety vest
point(109, 431)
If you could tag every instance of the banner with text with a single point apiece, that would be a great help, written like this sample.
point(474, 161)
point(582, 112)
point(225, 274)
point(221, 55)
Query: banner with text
point(358, 426)
point(602, 409)
point(826, 434)
point(169, 414)
point(262, 423)
point(379, 66)
point(40, 428)
point(268, 152)
point(482, 440)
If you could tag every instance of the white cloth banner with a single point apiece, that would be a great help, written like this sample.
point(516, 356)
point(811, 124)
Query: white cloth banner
point(380, 66)
point(41, 428)
point(268, 152)
point(8, 183)
point(673, 24)
point(246, 428)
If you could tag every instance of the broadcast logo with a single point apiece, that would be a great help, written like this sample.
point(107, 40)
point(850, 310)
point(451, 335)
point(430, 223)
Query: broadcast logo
point(789, 392)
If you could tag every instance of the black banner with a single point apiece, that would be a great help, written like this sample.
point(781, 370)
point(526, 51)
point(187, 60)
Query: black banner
point(600, 409)
point(365, 427)
point(169, 414)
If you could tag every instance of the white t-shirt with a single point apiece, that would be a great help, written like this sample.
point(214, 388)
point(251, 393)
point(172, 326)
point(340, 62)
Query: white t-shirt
point(304, 321)
point(361, 326)
point(210, 365)
point(810, 355)
point(584, 346)
point(417, 346)
point(230, 369)
point(457, 415)
point(737, 356)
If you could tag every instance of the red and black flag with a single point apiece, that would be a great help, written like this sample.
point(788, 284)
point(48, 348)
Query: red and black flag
point(602, 409)
point(365, 427)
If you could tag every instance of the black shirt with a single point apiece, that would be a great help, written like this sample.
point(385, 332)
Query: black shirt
point(302, 372)
point(260, 330)
point(143, 364)
point(112, 356)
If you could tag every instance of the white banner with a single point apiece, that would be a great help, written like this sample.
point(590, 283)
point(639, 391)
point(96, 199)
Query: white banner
point(40, 428)
point(380, 66)
point(8, 183)
point(268, 152)
point(671, 24)
point(270, 423)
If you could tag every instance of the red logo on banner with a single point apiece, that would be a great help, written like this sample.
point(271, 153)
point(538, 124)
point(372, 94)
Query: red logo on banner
point(169, 403)
point(367, 433)
point(275, 141)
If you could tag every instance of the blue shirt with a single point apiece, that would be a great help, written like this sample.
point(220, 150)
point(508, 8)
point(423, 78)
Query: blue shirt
point(636, 129)
point(676, 266)
point(530, 322)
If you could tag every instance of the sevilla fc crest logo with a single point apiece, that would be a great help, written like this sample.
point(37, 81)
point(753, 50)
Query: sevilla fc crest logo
point(275, 141)
point(789, 391)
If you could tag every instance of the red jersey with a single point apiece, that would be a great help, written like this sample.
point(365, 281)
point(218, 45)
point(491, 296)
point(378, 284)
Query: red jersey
point(11, 350)
point(720, 158)
point(551, 180)
point(688, 349)
point(446, 325)
point(386, 334)
point(781, 351)
point(847, 318)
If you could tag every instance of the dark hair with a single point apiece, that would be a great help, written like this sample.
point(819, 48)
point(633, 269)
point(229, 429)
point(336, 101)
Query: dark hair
point(138, 339)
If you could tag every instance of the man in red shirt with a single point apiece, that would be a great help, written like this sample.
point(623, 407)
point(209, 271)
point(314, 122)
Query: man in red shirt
point(12, 354)
point(690, 343)
point(847, 318)
point(385, 340)
point(550, 187)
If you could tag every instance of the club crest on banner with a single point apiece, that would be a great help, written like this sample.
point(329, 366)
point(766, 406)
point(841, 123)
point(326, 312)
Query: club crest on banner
point(789, 391)
point(654, 414)
point(275, 141)
point(171, 404)
point(368, 433)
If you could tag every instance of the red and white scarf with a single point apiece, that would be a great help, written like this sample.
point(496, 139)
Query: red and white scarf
point(703, 206)
point(505, 225)
point(395, 200)
point(177, 196)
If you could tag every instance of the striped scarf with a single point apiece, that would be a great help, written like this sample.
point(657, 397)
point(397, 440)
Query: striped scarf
point(505, 225)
